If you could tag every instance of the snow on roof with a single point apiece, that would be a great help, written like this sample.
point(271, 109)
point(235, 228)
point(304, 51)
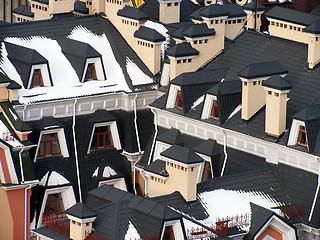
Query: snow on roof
point(162, 30)
point(6, 136)
point(132, 232)
point(223, 203)
point(197, 102)
point(54, 179)
point(65, 80)
point(137, 76)
point(108, 171)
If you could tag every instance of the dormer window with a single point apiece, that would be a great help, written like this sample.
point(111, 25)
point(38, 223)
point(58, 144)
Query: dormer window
point(168, 233)
point(91, 72)
point(207, 172)
point(179, 102)
point(302, 137)
point(102, 138)
point(37, 79)
point(214, 110)
point(49, 145)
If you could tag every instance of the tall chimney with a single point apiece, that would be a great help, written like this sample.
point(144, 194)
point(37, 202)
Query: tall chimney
point(313, 32)
point(277, 90)
point(253, 17)
point(169, 11)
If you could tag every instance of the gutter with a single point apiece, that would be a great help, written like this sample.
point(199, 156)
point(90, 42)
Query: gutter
point(21, 168)
point(155, 134)
point(75, 147)
point(225, 152)
point(316, 194)
point(26, 220)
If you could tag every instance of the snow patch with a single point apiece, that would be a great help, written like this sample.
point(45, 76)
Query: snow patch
point(132, 232)
point(222, 203)
point(95, 174)
point(137, 76)
point(197, 102)
point(237, 109)
point(54, 179)
point(13, 115)
point(7, 136)
point(163, 31)
point(108, 171)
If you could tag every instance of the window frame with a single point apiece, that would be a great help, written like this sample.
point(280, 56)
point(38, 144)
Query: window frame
point(105, 135)
point(301, 131)
point(114, 135)
point(51, 141)
point(45, 75)
point(91, 66)
point(98, 67)
point(61, 139)
point(214, 109)
point(294, 133)
point(178, 100)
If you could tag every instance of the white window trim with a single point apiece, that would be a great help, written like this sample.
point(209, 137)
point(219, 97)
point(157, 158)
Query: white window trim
point(207, 107)
point(10, 165)
point(159, 148)
point(177, 229)
point(98, 68)
point(117, 183)
point(61, 139)
point(277, 224)
point(165, 75)
point(172, 96)
point(268, 237)
point(294, 132)
point(67, 196)
point(114, 134)
point(44, 74)
point(201, 167)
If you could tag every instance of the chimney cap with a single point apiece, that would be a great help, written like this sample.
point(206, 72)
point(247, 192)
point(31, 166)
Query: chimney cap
point(149, 34)
point(199, 30)
point(264, 69)
point(81, 211)
point(182, 154)
point(133, 13)
point(214, 10)
point(252, 6)
point(277, 82)
point(13, 86)
point(182, 50)
point(313, 28)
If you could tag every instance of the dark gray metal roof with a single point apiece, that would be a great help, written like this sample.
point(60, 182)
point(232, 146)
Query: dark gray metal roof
point(252, 6)
point(182, 154)
point(277, 82)
point(214, 10)
point(133, 13)
point(178, 33)
point(235, 11)
point(102, 115)
point(24, 10)
point(316, 11)
point(157, 167)
point(208, 147)
point(80, 210)
point(308, 113)
point(151, 9)
point(80, 6)
point(290, 15)
point(226, 87)
point(196, 15)
point(43, 1)
point(313, 27)
point(49, 123)
point(149, 34)
point(13, 85)
point(172, 136)
point(182, 50)
point(199, 30)
point(262, 69)
point(4, 78)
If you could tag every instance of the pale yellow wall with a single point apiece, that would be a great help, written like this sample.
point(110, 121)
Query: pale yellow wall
point(6, 220)
point(4, 94)
point(220, 28)
point(40, 13)
point(276, 111)
point(111, 9)
point(169, 14)
point(313, 52)
point(176, 69)
point(60, 6)
point(288, 31)
point(182, 180)
point(253, 99)
point(12, 95)
point(98, 6)
point(250, 20)
point(79, 232)
point(150, 54)
point(127, 29)
point(234, 29)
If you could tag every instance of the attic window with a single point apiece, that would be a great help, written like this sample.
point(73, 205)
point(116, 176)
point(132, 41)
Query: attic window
point(54, 208)
point(102, 138)
point(207, 173)
point(302, 137)
point(91, 73)
point(49, 145)
point(179, 103)
point(37, 79)
point(214, 110)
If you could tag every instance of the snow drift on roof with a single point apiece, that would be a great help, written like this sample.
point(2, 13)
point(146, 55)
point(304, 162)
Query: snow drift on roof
point(132, 232)
point(137, 76)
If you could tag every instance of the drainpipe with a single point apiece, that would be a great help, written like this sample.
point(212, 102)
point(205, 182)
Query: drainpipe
point(26, 232)
point(135, 121)
point(21, 168)
point(75, 147)
point(23, 112)
point(225, 152)
point(155, 134)
point(316, 195)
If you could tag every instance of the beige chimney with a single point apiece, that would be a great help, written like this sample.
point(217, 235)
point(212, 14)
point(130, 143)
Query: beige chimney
point(81, 219)
point(313, 32)
point(181, 59)
point(111, 9)
point(253, 94)
point(169, 11)
point(181, 165)
point(250, 11)
point(148, 47)
point(97, 6)
point(276, 90)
